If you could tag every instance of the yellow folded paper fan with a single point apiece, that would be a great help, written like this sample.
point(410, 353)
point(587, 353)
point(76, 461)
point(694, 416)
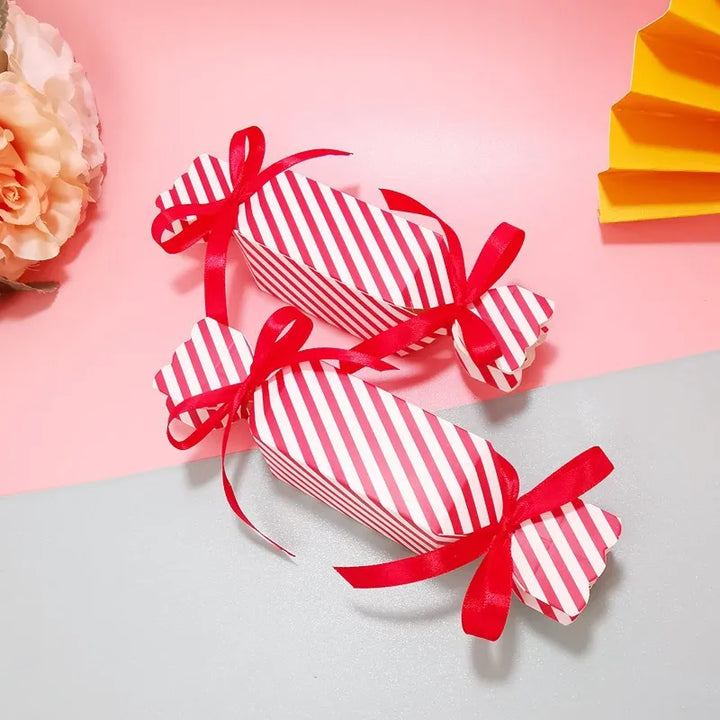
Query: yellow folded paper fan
point(665, 133)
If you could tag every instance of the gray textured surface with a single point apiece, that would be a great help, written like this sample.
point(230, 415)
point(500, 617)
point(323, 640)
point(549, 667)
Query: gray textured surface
point(143, 598)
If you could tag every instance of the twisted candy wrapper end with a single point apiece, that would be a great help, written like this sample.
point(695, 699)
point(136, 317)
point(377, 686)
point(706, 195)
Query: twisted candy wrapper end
point(214, 378)
point(547, 546)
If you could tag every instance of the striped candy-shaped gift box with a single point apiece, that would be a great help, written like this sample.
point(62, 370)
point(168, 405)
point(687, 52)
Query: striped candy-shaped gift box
point(414, 477)
point(359, 267)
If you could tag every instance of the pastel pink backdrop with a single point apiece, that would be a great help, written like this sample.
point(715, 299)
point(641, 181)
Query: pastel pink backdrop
point(486, 111)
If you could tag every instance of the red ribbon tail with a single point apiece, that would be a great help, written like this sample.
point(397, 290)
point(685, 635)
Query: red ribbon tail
point(216, 252)
point(487, 602)
point(235, 506)
point(281, 166)
point(420, 567)
point(228, 488)
point(231, 398)
point(400, 202)
point(349, 361)
point(567, 483)
point(390, 341)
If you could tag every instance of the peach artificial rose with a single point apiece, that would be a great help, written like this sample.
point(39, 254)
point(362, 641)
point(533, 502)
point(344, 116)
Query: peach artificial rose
point(38, 55)
point(42, 195)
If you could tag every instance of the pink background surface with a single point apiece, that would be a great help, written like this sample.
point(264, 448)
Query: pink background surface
point(485, 111)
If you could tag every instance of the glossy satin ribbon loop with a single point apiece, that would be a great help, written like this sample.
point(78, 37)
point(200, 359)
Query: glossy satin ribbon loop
point(494, 260)
point(219, 400)
point(216, 220)
point(246, 155)
point(279, 345)
point(487, 600)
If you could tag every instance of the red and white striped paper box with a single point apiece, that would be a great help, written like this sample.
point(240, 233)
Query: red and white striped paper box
point(359, 267)
point(410, 475)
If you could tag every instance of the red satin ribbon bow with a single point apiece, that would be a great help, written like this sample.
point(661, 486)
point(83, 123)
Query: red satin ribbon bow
point(216, 220)
point(487, 601)
point(279, 345)
point(496, 256)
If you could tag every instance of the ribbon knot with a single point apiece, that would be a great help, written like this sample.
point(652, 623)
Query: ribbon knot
point(279, 345)
point(487, 600)
point(496, 256)
point(506, 526)
point(216, 220)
